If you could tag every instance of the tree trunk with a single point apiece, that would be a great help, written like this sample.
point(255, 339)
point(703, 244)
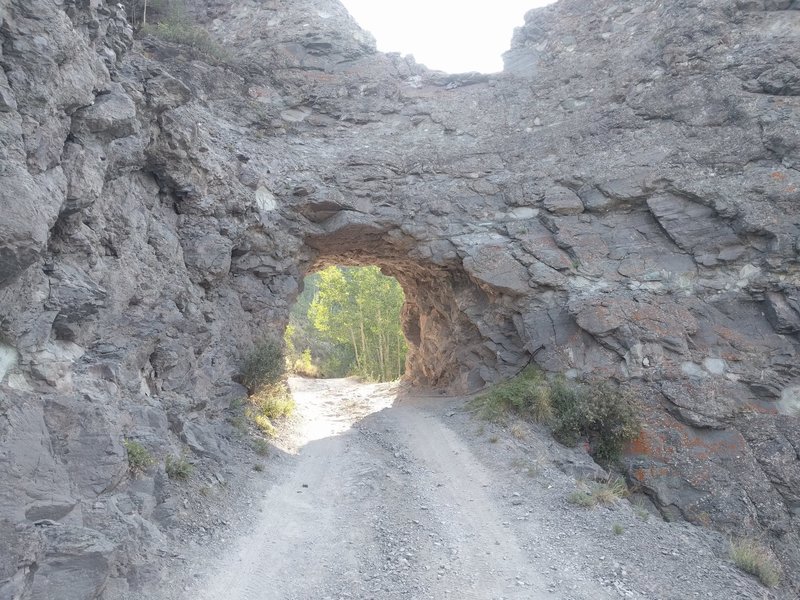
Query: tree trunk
point(399, 355)
point(355, 346)
point(381, 361)
point(364, 354)
point(384, 374)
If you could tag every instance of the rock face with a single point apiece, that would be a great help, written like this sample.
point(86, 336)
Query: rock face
point(621, 202)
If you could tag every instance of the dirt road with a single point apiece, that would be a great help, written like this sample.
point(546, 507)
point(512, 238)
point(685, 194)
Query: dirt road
point(411, 498)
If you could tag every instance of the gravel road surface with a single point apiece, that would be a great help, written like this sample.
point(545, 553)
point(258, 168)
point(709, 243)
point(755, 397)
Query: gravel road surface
point(385, 495)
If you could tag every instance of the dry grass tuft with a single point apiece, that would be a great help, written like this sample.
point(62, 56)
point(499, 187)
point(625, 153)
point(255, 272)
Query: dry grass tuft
point(605, 493)
point(756, 559)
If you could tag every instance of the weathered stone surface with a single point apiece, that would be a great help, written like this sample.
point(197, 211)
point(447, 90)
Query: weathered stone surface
point(493, 266)
point(30, 205)
point(620, 203)
point(782, 312)
point(695, 229)
point(76, 563)
point(562, 201)
point(111, 114)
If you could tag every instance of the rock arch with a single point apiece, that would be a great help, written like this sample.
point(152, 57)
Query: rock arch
point(447, 313)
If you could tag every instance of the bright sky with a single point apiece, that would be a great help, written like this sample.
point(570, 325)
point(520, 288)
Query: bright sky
point(449, 35)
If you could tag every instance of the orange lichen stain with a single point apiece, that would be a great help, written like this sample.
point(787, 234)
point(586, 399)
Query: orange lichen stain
point(778, 176)
point(664, 437)
point(650, 444)
point(640, 445)
point(791, 189)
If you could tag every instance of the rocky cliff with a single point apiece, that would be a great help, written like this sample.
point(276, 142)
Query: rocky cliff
point(621, 202)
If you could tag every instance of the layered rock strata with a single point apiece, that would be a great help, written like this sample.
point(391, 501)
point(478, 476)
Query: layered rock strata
point(621, 202)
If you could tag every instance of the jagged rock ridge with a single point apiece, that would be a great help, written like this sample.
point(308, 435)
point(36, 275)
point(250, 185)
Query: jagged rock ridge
point(620, 202)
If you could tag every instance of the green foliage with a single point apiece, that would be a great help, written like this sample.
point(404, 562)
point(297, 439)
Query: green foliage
point(756, 559)
point(170, 21)
point(139, 458)
point(270, 403)
point(270, 398)
point(611, 490)
point(528, 394)
point(618, 529)
point(274, 401)
point(177, 467)
point(611, 416)
point(347, 320)
point(141, 11)
point(567, 402)
point(607, 416)
point(303, 365)
point(581, 498)
point(263, 424)
point(192, 36)
point(264, 366)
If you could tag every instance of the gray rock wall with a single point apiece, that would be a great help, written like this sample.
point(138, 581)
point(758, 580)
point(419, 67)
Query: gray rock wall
point(620, 203)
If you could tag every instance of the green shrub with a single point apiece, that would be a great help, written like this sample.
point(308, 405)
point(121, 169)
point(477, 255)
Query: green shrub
point(269, 404)
point(607, 416)
point(264, 366)
point(304, 365)
point(270, 398)
point(273, 401)
point(618, 529)
point(582, 498)
point(178, 467)
point(610, 416)
point(139, 458)
point(527, 394)
point(568, 403)
point(263, 423)
point(611, 490)
point(176, 26)
point(756, 559)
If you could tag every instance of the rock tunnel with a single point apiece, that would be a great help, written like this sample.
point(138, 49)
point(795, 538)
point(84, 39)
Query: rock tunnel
point(447, 315)
point(620, 203)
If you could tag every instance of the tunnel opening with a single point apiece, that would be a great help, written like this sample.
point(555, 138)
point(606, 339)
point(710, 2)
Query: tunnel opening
point(458, 334)
point(347, 321)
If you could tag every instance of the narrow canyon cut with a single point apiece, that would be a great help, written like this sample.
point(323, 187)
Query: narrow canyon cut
point(621, 202)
